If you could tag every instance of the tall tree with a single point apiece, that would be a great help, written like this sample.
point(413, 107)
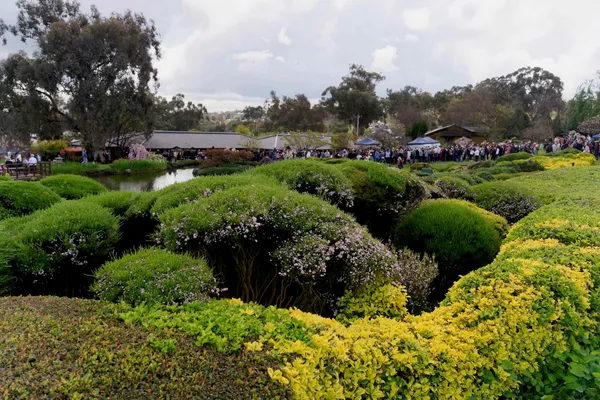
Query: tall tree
point(179, 115)
point(585, 104)
point(93, 73)
point(295, 113)
point(355, 99)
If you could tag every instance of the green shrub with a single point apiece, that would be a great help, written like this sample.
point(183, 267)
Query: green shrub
point(73, 187)
point(7, 253)
point(276, 246)
point(5, 178)
point(77, 168)
point(481, 164)
point(508, 201)
point(417, 167)
point(224, 170)
point(312, 177)
point(334, 161)
point(154, 276)
point(49, 149)
point(462, 237)
point(564, 152)
point(117, 202)
point(58, 348)
point(485, 175)
point(514, 157)
point(452, 186)
point(121, 166)
point(21, 198)
point(59, 248)
point(190, 191)
point(382, 195)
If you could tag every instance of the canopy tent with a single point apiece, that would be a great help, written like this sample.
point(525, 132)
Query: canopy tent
point(424, 142)
point(367, 142)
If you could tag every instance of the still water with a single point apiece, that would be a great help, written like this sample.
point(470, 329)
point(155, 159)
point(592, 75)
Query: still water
point(146, 182)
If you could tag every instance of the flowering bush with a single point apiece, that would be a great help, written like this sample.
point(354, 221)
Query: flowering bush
point(416, 273)
point(452, 187)
point(22, 198)
point(275, 246)
point(73, 187)
point(154, 276)
point(221, 157)
point(139, 151)
point(58, 248)
point(312, 177)
point(462, 237)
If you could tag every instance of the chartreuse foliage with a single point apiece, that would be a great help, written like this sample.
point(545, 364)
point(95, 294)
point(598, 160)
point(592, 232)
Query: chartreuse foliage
point(73, 187)
point(22, 198)
point(564, 160)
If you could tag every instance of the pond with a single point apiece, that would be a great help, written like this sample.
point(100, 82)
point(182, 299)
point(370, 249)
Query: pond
point(146, 182)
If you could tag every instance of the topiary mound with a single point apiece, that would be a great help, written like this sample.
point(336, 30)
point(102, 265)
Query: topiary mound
point(566, 159)
point(462, 236)
point(21, 198)
point(58, 348)
point(382, 195)
point(57, 249)
point(154, 276)
point(73, 187)
point(274, 246)
point(451, 186)
point(312, 177)
point(514, 157)
point(509, 201)
point(117, 202)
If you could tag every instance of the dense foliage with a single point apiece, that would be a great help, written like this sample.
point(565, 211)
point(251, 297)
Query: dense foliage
point(462, 237)
point(501, 198)
point(154, 276)
point(57, 249)
point(514, 157)
point(73, 187)
point(22, 198)
point(275, 246)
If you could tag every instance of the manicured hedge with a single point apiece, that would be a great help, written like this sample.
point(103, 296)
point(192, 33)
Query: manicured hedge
point(73, 187)
point(462, 237)
point(21, 198)
point(154, 276)
point(312, 177)
point(514, 157)
point(452, 187)
point(566, 160)
point(382, 195)
point(277, 246)
point(504, 199)
point(117, 202)
point(56, 250)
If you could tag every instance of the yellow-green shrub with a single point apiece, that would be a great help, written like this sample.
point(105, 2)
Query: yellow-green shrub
point(373, 301)
point(566, 160)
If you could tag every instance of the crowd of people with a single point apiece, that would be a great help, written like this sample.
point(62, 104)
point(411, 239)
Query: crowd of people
point(26, 161)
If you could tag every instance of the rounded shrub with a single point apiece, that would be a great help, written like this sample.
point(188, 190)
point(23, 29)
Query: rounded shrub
point(117, 202)
point(462, 236)
point(381, 195)
point(373, 301)
point(452, 186)
point(21, 198)
point(58, 249)
point(154, 276)
point(275, 246)
point(312, 177)
point(509, 201)
point(514, 157)
point(73, 187)
point(218, 171)
point(485, 175)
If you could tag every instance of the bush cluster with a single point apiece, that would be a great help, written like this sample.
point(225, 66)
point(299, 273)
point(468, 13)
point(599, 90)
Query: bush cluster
point(514, 157)
point(154, 276)
point(73, 187)
point(57, 249)
point(504, 199)
point(275, 246)
point(462, 237)
point(566, 159)
point(22, 198)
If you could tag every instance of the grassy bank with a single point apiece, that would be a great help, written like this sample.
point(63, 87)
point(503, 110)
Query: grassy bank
point(116, 168)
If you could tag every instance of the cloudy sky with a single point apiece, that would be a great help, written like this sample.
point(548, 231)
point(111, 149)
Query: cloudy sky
point(231, 53)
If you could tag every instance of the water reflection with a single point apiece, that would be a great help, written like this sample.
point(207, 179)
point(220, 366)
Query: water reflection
point(146, 182)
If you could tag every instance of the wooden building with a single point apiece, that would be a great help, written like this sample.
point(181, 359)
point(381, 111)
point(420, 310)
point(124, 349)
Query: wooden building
point(448, 134)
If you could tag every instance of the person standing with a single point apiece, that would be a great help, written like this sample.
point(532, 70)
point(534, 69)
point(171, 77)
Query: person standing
point(85, 157)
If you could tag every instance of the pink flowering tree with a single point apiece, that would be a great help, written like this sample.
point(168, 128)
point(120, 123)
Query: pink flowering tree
point(139, 151)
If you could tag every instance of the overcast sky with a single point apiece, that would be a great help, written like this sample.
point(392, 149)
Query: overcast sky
point(231, 53)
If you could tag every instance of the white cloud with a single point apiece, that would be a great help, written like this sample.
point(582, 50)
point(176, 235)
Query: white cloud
point(280, 59)
point(384, 59)
point(417, 19)
point(283, 37)
point(251, 59)
point(409, 37)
